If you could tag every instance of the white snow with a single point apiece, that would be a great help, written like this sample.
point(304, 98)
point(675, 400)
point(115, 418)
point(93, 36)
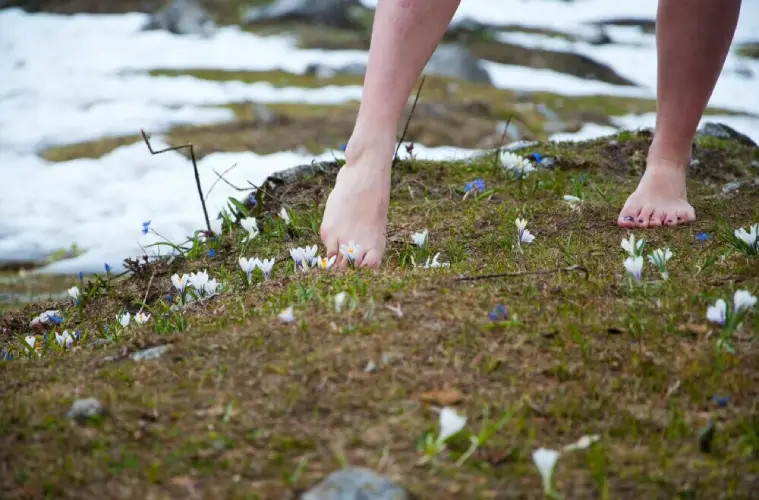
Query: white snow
point(67, 79)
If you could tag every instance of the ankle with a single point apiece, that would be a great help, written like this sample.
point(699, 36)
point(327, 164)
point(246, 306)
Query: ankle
point(372, 151)
point(675, 155)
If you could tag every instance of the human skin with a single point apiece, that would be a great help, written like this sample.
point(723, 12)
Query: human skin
point(693, 38)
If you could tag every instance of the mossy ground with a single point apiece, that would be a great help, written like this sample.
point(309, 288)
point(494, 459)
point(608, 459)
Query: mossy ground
point(244, 406)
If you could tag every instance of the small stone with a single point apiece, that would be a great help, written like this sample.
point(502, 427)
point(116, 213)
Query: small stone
point(389, 358)
point(731, 186)
point(548, 162)
point(355, 483)
point(694, 163)
point(370, 367)
point(85, 409)
point(150, 353)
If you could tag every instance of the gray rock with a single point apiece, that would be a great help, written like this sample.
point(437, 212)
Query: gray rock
point(324, 71)
point(731, 186)
point(333, 13)
point(183, 17)
point(355, 483)
point(85, 409)
point(150, 353)
point(722, 131)
point(456, 61)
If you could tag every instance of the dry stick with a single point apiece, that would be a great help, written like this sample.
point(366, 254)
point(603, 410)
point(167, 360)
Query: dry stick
point(503, 138)
point(220, 178)
point(408, 120)
point(580, 269)
point(144, 300)
point(195, 169)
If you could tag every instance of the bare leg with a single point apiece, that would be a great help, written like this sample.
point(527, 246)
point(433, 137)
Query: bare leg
point(404, 35)
point(693, 38)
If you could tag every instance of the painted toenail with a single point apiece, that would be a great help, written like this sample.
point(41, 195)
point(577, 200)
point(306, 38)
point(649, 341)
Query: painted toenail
point(629, 218)
point(640, 220)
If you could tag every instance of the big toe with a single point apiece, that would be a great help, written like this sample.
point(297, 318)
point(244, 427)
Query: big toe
point(628, 215)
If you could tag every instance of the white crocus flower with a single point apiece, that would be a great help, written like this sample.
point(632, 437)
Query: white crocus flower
point(287, 316)
point(514, 162)
point(545, 460)
point(419, 239)
point(309, 254)
point(632, 246)
point(659, 258)
point(750, 237)
point(326, 263)
point(526, 236)
point(124, 319)
point(634, 266)
point(210, 287)
point(521, 224)
point(582, 443)
point(141, 318)
point(297, 255)
point(266, 266)
point(198, 280)
point(451, 423)
point(340, 301)
point(285, 216)
point(743, 301)
point(250, 224)
point(718, 312)
point(64, 339)
point(74, 292)
point(31, 340)
point(434, 263)
point(350, 251)
point(248, 266)
point(179, 282)
point(573, 201)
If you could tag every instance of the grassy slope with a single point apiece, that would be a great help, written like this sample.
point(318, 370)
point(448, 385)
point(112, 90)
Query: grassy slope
point(246, 407)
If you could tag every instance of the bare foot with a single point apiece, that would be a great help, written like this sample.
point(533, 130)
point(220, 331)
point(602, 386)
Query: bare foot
point(357, 207)
point(660, 198)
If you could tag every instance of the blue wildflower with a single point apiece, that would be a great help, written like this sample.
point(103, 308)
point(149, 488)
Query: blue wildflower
point(252, 199)
point(55, 318)
point(212, 253)
point(77, 335)
point(343, 146)
point(721, 401)
point(475, 185)
point(169, 299)
point(583, 178)
point(107, 268)
point(145, 227)
point(6, 355)
point(500, 312)
point(703, 236)
point(81, 276)
point(537, 157)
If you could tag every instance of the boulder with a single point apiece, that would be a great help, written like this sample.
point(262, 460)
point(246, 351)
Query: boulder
point(183, 17)
point(332, 13)
point(456, 61)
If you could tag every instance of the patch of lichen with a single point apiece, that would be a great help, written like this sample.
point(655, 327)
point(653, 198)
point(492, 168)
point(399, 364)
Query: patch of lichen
point(279, 406)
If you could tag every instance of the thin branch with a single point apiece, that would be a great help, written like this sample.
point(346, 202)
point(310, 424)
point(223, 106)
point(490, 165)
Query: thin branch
point(144, 300)
point(579, 269)
point(220, 177)
point(503, 139)
point(408, 120)
point(195, 169)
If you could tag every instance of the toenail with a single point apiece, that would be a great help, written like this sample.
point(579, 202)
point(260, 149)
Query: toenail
point(640, 220)
point(629, 218)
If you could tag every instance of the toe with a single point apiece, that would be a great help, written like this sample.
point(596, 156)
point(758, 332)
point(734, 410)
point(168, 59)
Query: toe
point(670, 219)
point(372, 259)
point(644, 217)
point(628, 215)
point(657, 219)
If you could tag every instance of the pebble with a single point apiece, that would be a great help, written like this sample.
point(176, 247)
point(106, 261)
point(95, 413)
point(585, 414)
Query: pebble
point(150, 353)
point(731, 186)
point(85, 409)
point(355, 483)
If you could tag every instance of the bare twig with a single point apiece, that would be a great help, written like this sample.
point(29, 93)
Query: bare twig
point(220, 177)
point(579, 269)
point(408, 120)
point(503, 139)
point(144, 300)
point(195, 169)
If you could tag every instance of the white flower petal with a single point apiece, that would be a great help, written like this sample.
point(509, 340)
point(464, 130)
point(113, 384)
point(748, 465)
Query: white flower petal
point(545, 460)
point(450, 423)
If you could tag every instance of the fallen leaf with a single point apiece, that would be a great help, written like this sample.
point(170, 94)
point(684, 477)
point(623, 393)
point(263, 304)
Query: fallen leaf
point(443, 397)
point(694, 328)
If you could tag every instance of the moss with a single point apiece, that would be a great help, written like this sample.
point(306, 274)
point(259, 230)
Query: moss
point(749, 50)
point(633, 362)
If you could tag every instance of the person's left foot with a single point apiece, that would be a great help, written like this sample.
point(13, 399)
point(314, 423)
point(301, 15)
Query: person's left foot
point(660, 198)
